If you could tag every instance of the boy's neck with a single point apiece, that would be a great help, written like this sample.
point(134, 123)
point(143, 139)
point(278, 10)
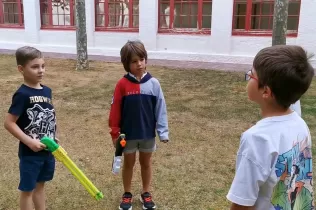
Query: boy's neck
point(274, 111)
point(33, 85)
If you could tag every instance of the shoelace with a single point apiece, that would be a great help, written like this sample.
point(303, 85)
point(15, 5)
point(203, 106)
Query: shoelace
point(147, 199)
point(127, 200)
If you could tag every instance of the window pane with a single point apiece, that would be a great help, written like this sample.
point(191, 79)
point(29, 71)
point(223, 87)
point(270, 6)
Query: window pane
point(189, 22)
point(262, 14)
point(294, 8)
point(100, 8)
point(267, 8)
point(255, 9)
point(10, 13)
point(135, 21)
point(265, 23)
point(255, 22)
point(292, 23)
point(185, 14)
point(100, 20)
point(164, 15)
point(207, 8)
point(135, 13)
point(164, 9)
point(206, 21)
point(240, 22)
point(61, 13)
point(240, 8)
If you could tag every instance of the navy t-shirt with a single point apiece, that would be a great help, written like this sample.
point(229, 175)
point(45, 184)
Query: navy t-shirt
point(36, 113)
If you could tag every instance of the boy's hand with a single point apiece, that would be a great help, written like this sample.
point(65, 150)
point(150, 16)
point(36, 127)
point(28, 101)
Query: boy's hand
point(114, 142)
point(36, 145)
point(57, 140)
point(165, 140)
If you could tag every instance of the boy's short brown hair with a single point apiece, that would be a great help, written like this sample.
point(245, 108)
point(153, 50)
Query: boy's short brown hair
point(286, 70)
point(130, 49)
point(25, 54)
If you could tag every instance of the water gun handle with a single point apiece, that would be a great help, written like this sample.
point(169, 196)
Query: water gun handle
point(120, 145)
point(117, 159)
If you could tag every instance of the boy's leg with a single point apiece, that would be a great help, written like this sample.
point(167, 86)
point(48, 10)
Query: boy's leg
point(46, 174)
point(26, 202)
point(127, 174)
point(146, 170)
point(29, 171)
point(39, 196)
point(146, 148)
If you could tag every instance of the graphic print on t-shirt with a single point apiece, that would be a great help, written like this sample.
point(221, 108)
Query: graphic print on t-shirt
point(294, 168)
point(42, 122)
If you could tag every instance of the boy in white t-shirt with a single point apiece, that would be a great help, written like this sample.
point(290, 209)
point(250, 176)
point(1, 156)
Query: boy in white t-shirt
point(274, 160)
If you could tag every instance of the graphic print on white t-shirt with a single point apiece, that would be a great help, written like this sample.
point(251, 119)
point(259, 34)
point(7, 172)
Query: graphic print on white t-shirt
point(294, 170)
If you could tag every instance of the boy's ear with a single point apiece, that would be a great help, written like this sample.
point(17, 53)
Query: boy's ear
point(20, 68)
point(267, 93)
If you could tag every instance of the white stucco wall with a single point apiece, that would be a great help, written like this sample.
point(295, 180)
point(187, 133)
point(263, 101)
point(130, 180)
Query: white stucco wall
point(220, 46)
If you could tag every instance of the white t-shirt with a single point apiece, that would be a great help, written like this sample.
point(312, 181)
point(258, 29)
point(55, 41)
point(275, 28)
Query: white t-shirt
point(274, 165)
point(297, 107)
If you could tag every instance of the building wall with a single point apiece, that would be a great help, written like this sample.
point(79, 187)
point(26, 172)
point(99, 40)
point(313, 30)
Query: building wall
point(220, 46)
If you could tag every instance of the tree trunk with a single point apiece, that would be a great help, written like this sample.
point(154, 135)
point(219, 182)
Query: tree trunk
point(280, 22)
point(81, 36)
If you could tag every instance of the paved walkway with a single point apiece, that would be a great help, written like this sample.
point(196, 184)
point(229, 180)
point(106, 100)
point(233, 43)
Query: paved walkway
point(155, 62)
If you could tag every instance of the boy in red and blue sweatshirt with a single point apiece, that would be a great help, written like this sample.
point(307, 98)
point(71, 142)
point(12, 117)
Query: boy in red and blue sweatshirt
point(138, 110)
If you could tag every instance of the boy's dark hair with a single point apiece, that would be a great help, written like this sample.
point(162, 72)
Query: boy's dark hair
point(286, 70)
point(130, 49)
point(25, 54)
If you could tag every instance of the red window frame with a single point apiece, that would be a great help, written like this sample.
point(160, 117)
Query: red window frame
point(19, 14)
point(46, 9)
point(113, 11)
point(248, 31)
point(177, 30)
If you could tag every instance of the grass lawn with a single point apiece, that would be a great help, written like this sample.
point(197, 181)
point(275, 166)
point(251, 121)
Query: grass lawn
point(207, 110)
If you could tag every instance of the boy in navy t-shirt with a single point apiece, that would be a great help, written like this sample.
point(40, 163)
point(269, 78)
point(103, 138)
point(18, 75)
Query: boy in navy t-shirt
point(31, 116)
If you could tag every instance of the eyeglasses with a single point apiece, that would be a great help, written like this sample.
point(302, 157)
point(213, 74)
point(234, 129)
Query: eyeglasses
point(249, 75)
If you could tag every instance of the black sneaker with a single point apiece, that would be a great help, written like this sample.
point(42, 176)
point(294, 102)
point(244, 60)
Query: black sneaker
point(126, 203)
point(148, 203)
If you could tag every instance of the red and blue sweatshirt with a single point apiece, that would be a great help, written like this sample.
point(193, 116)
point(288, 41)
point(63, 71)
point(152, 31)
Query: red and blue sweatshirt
point(138, 109)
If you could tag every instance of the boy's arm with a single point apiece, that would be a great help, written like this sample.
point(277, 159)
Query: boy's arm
point(56, 130)
point(56, 136)
point(238, 207)
point(161, 116)
point(13, 128)
point(115, 113)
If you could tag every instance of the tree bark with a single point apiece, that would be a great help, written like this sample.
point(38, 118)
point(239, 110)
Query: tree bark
point(280, 22)
point(81, 36)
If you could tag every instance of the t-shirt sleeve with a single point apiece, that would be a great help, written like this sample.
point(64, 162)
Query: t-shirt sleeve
point(17, 107)
point(253, 167)
point(50, 93)
point(248, 178)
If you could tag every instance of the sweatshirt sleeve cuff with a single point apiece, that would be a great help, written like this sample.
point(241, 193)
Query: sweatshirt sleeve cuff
point(164, 137)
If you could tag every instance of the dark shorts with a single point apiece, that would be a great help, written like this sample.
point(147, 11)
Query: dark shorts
point(34, 170)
